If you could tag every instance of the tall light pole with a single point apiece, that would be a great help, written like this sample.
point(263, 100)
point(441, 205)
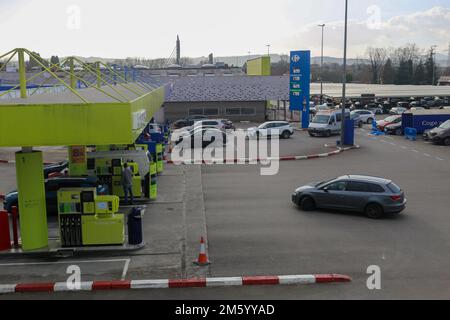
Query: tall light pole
point(268, 50)
point(344, 80)
point(321, 66)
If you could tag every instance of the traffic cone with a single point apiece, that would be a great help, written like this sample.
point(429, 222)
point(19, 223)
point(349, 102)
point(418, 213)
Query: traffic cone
point(202, 257)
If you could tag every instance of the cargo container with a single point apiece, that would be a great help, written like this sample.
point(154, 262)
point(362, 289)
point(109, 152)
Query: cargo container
point(422, 120)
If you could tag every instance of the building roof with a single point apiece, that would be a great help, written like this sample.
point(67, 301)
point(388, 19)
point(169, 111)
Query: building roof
point(260, 88)
point(230, 88)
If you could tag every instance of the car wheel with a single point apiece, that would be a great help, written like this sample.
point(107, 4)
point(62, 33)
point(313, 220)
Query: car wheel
point(286, 135)
point(398, 132)
point(447, 141)
point(374, 211)
point(360, 124)
point(328, 133)
point(307, 204)
point(369, 121)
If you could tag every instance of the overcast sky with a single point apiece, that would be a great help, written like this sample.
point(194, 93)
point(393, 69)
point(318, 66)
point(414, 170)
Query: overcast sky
point(148, 28)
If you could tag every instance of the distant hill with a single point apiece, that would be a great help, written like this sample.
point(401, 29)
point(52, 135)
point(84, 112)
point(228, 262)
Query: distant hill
point(240, 60)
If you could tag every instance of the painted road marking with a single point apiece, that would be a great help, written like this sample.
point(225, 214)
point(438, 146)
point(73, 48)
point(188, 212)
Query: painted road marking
point(427, 155)
point(125, 269)
point(440, 159)
point(403, 147)
point(124, 272)
point(414, 150)
point(392, 144)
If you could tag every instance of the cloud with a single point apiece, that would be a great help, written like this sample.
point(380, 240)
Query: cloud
point(425, 28)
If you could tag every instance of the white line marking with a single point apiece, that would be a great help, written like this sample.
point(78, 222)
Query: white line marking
point(60, 262)
point(440, 159)
point(403, 147)
point(427, 155)
point(392, 144)
point(413, 150)
point(125, 269)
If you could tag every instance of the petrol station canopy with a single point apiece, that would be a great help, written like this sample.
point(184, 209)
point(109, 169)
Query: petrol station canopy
point(63, 119)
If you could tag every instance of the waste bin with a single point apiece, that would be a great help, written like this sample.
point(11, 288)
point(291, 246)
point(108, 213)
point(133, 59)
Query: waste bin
point(5, 237)
point(135, 226)
point(349, 132)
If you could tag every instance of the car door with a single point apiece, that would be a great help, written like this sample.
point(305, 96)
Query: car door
point(356, 195)
point(331, 196)
point(336, 128)
point(265, 131)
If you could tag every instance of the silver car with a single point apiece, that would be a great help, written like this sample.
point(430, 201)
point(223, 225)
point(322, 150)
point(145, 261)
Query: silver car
point(370, 195)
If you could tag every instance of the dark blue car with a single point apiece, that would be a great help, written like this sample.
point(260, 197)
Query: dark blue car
point(51, 188)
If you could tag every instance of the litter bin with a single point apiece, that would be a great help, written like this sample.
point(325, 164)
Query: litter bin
point(349, 132)
point(5, 237)
point(135, 226)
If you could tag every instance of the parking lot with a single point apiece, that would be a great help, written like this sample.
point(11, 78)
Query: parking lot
point(253, 228)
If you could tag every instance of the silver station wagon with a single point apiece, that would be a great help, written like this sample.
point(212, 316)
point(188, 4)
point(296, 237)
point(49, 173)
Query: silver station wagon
point(369, 195)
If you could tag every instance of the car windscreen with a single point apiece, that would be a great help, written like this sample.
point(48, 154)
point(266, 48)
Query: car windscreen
point(321, 119)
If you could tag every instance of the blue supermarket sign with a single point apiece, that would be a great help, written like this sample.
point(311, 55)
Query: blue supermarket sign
point(300, 73)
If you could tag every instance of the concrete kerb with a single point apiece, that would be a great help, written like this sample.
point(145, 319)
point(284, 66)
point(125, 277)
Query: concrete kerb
point(285, 158)
point(51, 287)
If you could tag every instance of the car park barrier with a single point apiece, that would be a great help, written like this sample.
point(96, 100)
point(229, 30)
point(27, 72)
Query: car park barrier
point(411, 134)
point(244, 161)
point(176, 283)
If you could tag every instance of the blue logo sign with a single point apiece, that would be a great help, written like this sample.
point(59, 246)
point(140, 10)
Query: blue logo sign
point(300, 84)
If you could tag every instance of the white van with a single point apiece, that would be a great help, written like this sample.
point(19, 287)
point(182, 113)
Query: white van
point(327, 123)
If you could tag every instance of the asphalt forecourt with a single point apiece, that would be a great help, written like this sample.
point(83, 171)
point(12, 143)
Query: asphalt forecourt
point(252, 228)
point(260, 230)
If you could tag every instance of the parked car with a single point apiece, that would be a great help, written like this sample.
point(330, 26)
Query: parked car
point(439, 135)
point(366, 116)
point(398, 111)
point(216, 124)
point(381, 125)
point(323, 107)
point(55, 168)
point(51, 188)
point(403, 105)
point(370, 195)
point(203, 137)
point(395, 129)
point(327, 123)
point(188, 122)
point(227, 124)
point(386, 107)
point(281, 128)
point(374, 108)
point(417, 109)
point(357, 119)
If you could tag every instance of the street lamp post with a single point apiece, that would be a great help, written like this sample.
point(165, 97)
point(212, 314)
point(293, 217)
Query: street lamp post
point(321, 66)
point(344, 80)
point(268, 50)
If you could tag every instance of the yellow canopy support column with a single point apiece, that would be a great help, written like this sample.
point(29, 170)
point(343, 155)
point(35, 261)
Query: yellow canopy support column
point(32, 205)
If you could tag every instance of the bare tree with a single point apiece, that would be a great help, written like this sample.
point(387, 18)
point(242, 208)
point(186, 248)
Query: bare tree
point(377, 58)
